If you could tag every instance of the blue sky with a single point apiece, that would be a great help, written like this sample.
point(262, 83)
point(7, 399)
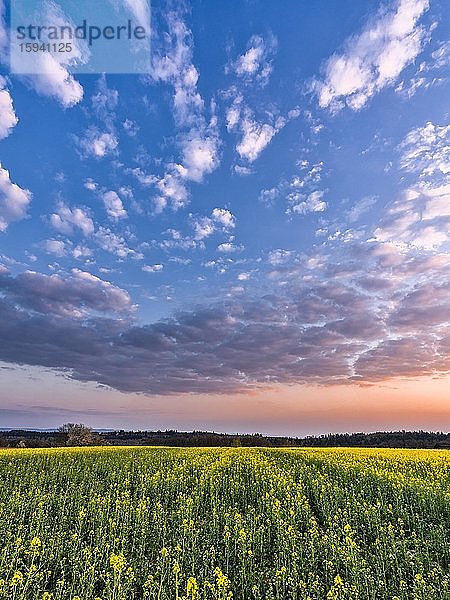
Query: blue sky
point(268, 206)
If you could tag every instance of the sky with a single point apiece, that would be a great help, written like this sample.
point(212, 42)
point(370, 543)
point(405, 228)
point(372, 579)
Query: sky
point(252, 235)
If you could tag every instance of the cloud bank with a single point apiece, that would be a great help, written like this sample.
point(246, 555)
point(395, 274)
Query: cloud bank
point(382, 312)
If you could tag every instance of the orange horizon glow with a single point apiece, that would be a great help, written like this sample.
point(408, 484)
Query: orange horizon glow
point(48, 399)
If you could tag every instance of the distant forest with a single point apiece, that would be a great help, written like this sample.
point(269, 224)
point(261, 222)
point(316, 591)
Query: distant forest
point(80, 435)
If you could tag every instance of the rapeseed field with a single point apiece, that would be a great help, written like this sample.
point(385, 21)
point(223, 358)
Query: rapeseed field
point(249, 524)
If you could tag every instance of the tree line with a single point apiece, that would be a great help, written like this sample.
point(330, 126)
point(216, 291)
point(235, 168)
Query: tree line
point(77, 434)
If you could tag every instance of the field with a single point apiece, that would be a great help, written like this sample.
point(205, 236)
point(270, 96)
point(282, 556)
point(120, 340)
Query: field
point(165, 523)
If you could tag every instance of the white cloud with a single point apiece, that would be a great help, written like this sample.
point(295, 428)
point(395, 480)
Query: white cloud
point(180, 261)
point(116, 244)
point(373, 59)
point(429, 238)
point(255, 64)
point(152, 268)
point(280, 256)
point(241, 170)
point(294, 113)
point(200, 157)
point(396, 226)
point(300, 190)
point(224, 217)
point(229, 247)
point(206, 226)
point(426, 150)
point(441, 56)
point(408, 90)
point(131, 127)
point(66, 219)
point(312, 176)
point(361, 207)
point(428, 73)
point(420, 218)
point(56, 247)
point(173, 64)
point(104, 102)
point(91, 185)
point(176, 240)
point(269, 195)
point(113, 205)
point(126, 192)
point(140, 9)
point(97, 143)
point(14, 200)
point(159, 204)
point(250, 62)
point(198, 139)
point(55, 81)
point(81, 252)
point(301, 204)
point(203, 228)
point(101, 140)
point(244, 276)
point(51, 76)
point(437, 202)
point(173, 190)
point(144, 178)
point(233, 114)
point(255, 136)
point(8, 118)
point(187, 101)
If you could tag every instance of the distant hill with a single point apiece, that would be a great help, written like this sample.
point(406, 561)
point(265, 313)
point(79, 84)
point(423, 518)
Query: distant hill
point(380, 439)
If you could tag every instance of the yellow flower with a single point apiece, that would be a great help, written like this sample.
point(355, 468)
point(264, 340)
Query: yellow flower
point(222, 580)
point(192, 588)
point(117, 562)
point(17, 579)
point(176, 568)
point(35, 544)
